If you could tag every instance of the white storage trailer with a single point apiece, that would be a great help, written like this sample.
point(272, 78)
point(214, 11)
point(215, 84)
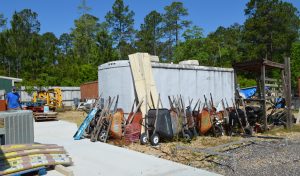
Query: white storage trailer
point(115, 78)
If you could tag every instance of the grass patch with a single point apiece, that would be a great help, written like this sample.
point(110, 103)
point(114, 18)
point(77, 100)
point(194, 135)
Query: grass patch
point(72, 116)
point(281, 130)
point(213, 141)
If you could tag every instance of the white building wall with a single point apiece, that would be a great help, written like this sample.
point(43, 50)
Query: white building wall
point(171, 79)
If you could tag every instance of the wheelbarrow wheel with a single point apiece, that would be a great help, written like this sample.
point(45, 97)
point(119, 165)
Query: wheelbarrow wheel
point(187, 135)
point(144, 139)
point(248, 131)
point(218, 131)
point(102, 135)
point(154, 139)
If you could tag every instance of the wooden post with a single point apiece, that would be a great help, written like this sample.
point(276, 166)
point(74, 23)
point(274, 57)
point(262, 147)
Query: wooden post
point(263, 95)
point(283, 77)
point(288, 92)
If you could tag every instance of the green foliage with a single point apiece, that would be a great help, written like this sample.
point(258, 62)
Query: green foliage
point(84, 36)
point(191, 49)
point(2, 21)
point(193, 33)
point(220, 48)
point(246, 82)
point(271, 28)
point(65, 43)
point(225, 46)
point(295, 63)
point(173, 24)
point(105, 48)
point(44, 60)
point(150, 34)
point(120, 21)
point(25, 22)
point(29, 89)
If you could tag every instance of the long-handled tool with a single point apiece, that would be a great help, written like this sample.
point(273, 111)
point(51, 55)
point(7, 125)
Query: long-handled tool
point(154, 139)
point(87, 121)
point(209, 113)
point(185, 130)
point(99, 125)
point(110, 119)
point(135, 111)
point(238, 117)
point(248, 129)
point(98, 121)
point(171, 103)
point(196, 104)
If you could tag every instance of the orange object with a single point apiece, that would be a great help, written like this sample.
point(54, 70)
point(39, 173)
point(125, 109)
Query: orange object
point(136, 119)
point(204, 124)
point(3, 105)
point(116, 124)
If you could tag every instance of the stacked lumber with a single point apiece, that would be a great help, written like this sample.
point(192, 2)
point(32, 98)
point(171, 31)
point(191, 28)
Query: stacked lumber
point(140, 64)
point(22, 157)
point(38, 116)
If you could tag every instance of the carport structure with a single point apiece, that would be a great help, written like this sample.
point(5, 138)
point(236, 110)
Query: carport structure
point(258, 68)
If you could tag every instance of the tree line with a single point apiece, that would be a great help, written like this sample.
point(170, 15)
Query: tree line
point(271, 31)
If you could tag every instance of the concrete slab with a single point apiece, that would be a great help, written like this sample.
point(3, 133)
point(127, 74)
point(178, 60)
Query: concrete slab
point(103, 159)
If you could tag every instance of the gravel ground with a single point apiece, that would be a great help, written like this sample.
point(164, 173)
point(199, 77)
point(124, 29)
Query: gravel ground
point(267, 157)
point(263, 157)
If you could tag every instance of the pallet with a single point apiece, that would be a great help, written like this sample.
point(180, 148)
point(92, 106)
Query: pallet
point(27, 152)
point(24, 163)
point(22, 147)
point(39, 170)
point(39, 116)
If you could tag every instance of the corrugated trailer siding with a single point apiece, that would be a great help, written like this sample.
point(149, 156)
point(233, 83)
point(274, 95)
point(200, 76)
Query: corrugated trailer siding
point(89, 90)
point(18, 127)
point(193, 84)
point(118, 81)
point(190, 81)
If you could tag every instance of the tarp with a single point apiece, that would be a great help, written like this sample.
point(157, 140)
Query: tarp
point(248, 92)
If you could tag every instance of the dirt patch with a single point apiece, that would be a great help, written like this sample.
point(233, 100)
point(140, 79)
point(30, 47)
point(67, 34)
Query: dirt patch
point(168, 150)
point(72, 116)
point(281, 131)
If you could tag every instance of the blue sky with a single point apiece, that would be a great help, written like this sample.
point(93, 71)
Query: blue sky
point(58, 16)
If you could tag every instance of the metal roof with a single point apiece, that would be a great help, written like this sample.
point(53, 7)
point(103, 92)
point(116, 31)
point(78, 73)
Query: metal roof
point(125, 63)
point(255, 65)
point(11, 78)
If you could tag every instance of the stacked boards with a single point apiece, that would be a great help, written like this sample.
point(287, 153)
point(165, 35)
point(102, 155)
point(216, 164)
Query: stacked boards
point(16, 158)
point(144, 83)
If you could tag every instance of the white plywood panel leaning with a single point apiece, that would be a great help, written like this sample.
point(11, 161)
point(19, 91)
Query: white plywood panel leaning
point(139, 82)
point(152, 95)
point(139, 79)
point(145, 87)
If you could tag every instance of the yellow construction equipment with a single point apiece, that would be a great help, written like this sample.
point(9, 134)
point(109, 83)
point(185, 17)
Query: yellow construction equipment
point(51, 97)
